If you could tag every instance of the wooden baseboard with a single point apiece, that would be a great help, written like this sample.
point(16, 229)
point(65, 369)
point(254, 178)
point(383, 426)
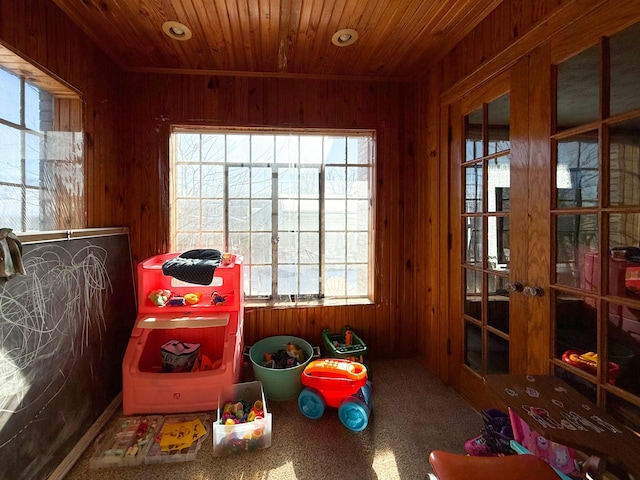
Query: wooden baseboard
point(87, 439)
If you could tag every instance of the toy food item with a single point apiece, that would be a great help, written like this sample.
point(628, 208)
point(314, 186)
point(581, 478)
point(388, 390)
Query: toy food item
point(192, 298)
point(160, 297)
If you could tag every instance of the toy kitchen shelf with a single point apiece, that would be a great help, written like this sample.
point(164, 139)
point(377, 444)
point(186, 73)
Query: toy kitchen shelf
point(216, 322)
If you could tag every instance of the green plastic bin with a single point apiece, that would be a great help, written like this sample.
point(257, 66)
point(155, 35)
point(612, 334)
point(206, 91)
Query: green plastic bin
point(279, 383)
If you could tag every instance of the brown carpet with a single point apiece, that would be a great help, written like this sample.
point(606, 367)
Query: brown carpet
point(413, 413)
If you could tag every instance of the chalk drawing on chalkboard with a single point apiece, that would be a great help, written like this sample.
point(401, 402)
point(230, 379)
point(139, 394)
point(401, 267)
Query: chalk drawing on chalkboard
point(46, 317)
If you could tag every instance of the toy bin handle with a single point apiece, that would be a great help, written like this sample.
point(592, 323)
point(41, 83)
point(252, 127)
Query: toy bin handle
point(316, 352)
point(343, 368)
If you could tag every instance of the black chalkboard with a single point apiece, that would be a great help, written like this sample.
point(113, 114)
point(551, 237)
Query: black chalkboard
point(64, 328)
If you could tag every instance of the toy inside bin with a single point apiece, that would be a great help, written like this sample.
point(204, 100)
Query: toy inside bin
point(248, 434)
point(346, 345)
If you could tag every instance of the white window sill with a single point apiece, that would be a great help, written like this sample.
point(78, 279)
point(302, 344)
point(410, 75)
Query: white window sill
point(328, 302)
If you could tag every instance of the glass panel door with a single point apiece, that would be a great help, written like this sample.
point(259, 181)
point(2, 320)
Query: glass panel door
point(485, 223)
point(596, 224)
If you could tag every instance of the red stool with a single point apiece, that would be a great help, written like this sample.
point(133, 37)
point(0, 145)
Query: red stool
point(452, 466)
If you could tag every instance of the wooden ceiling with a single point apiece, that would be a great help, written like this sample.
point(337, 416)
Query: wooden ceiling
point(397, 39)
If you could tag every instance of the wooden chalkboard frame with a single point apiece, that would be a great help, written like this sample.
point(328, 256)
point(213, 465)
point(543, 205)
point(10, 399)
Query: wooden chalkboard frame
point(64, 328)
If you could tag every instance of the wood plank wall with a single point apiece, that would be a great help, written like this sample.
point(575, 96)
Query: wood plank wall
point(157, 101)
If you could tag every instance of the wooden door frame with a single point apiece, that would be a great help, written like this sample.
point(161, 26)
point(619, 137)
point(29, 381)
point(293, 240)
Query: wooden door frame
point(530, 329)
point(466, 382)
point(538, 326)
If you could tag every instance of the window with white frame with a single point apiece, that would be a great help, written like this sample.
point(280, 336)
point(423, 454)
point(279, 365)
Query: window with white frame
point(41, 160)
point(296, 205)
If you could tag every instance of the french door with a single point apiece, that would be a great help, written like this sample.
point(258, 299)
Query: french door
point(545, 222)
point(499, 260)
point(595, 222)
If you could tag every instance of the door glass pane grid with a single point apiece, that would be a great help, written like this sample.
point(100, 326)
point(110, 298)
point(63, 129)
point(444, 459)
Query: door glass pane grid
point(486, 227)
point(498, 303)
point(473, 233)
point(498, 243)
point(624, 163)
point(473, 187)
point(498, 183)
point(473, 347)
point(625, 65)
point(576, 329)
point(577, 171)
point(497, 354)
point(623, 332)
point(473, 294)
point(577, 259)
point(498, 116)
point(474, 135)
point(599, 234)
point(498, 201)
point(578, 81)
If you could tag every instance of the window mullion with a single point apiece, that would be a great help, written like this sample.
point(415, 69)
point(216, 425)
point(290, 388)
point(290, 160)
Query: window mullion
point(321, 257)
point(23, 156)
point(299, 204)
point(200, 189)
point(274, 230)
point(225, 193)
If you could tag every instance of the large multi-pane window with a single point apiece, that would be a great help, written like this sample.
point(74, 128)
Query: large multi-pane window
point(297, 206)
point(41, 163)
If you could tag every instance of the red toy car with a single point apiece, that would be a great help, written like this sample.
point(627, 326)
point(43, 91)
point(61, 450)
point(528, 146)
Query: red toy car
point(337, 383)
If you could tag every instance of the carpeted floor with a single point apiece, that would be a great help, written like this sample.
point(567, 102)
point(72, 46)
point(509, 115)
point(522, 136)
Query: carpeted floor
point(413, 413)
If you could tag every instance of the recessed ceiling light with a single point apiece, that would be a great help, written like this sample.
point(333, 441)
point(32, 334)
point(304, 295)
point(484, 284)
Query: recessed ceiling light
point(176, 30)
point(344, 37)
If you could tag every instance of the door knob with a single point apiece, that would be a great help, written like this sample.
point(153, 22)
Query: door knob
point(533, 291)
point(514, 287)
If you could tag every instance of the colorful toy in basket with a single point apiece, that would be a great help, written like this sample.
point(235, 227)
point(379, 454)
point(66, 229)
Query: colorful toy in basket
point(338, 383)
point(346, 345)
point(243, 424)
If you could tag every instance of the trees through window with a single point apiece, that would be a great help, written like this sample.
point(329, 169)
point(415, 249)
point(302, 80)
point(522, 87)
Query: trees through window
point(296, 205)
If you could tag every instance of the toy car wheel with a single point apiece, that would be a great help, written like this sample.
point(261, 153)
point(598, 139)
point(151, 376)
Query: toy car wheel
point(354, 415)
point(311, 403)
